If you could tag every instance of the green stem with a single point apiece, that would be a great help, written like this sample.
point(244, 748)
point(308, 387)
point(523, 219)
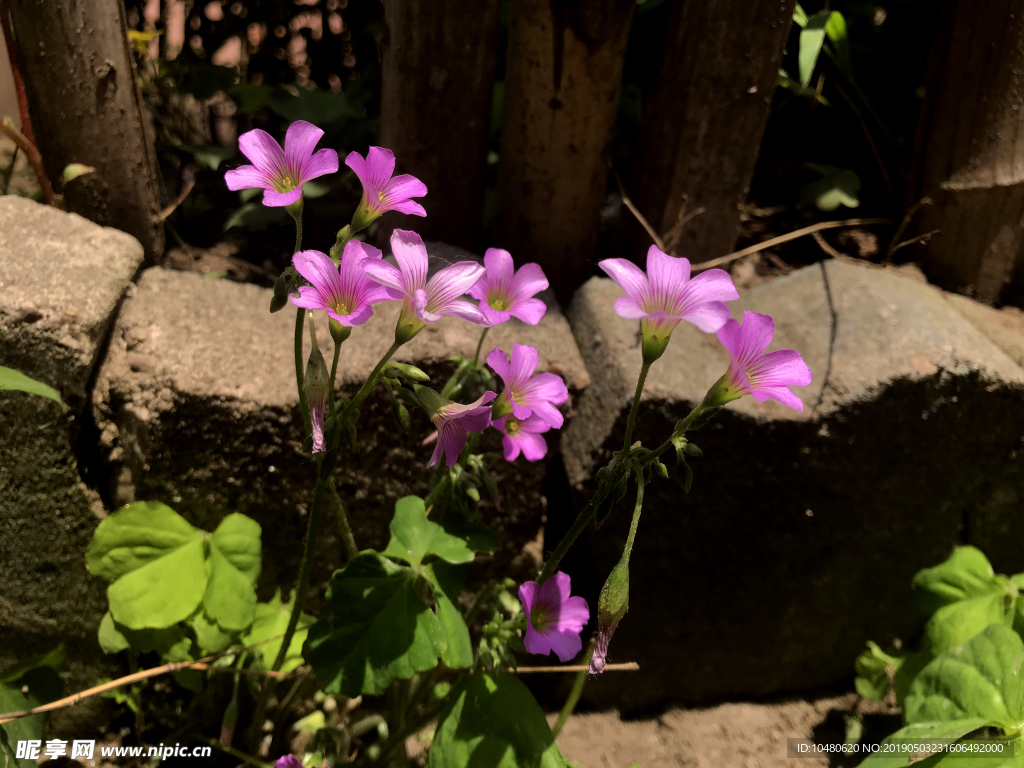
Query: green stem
point(628, 549)
point(574, 694)
point(346, 532)
point(300, 328)
point(334, 374)
point(636, 404)
point(371, 380)
point(567, 541)
point(344, 235)
point(479, 346)
point(295, 209)
point(239, 755)
point(305, 571)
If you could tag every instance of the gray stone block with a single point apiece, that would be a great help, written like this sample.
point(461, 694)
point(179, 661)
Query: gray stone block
point(198, 409)
point(61, 278)
point(802, 532)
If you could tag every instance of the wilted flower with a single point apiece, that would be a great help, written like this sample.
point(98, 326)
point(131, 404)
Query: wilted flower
point(665, 295)
point(281, 172)
point(317, 386)
point(611, 607)
point(425, 301)
point(554, 619)
point(524, 393)
point(522, 435)
point(381, 192)
point(347, 295)
point(503, 292)
point(453, 422)
point(751, 372)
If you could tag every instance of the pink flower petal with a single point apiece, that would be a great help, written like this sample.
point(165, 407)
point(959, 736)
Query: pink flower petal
point(528, 281)
point(500, 267)
point(402, 188)
point(527, 595)
point(299, 142)
point(322, 163)
point(511, 447)
point(712, 285)
point(548, 387)
point(385, 274)
point(261, 149)
point(627, 307)
point(783, 394)
point(524, 362)
point(566, 645)
point(309, 298)
point(451, 282)
point(411, 255)
point(245, 177)
point(530, 311)
point(708, 317)
point(667, 275)
point(420, 302)
point(493, 316)
point(409, 208)
point(498, 361)
point(318, 269)
point(628, 275)
point(466, 311)
point(573, 614)
point(747, 342)
point(356, 317)
point(784, 367)
point(547, 413)
point(276, 199)
point(533, 446)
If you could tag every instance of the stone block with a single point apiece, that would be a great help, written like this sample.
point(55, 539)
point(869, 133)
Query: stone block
point(61, 279)
point(802, 532)
point(198, 408)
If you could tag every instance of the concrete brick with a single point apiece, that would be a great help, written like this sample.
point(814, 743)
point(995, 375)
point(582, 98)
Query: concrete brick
point(61, 278)
point(802, 531)
point(198, 408)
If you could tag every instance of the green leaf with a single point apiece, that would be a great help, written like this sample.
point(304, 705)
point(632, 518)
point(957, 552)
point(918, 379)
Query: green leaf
point(7, 754)
point(925, 732)
point(35, 686)
point(812, 37)
point(478, 537)
point(494, 721)
point(957, 623)
point(210, 637)
point(271, 621)
point(170, 642)
point(979, 679)
point(838, 186)
point(874, 670)
point(209, 155)
point(835, 29)
point(73, 171)
point(414, 537)
point(446, 581)
point(156, 562)
point(380, 629)
point(234, 567)
point(54, 659)
point(800, 16)
point(966, 573)
point(19, 382)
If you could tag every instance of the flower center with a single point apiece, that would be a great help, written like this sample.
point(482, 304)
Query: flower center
point(497, 302)
point(380, 196)
point(284, 183)
point(340, 308)
point(512, 425)
point(540, 618)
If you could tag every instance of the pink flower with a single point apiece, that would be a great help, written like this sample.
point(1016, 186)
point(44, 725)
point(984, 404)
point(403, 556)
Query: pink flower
point(425, 301)
point(751, 372)
point(522, 436)
point(505, 293)
point(381, 192)
point(453, 422)
point(288, 761)
point(282, 172)
point(525, 394)
point(666, 295)
point(554, 619)
point(346, 294)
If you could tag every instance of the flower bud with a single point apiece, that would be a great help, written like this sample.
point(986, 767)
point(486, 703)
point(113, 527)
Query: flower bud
point(339, 332)
point(653, 346)
point(317, 385)
point(611, 607)
point(410, 372)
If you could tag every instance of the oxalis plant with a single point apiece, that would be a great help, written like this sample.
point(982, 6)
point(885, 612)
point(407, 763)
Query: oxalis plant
point(400, 649)
point(961, 690)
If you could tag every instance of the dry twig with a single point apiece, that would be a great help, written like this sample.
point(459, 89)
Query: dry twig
point(895, 244)
point(628, 666)
point(26, 146)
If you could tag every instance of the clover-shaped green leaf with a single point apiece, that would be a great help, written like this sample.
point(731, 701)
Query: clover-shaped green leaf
point(269, 626)
point(380, 630)
point(414, 537)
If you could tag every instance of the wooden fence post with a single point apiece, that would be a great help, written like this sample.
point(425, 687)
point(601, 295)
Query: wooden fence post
point(970, 152)
point(701, 131)
point(438, 80)
point(86, 108)
point(561, 98)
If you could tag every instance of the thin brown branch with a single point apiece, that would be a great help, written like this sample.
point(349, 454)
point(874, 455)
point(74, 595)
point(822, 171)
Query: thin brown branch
point(824, 245)
point(26, 146)
point(785, 239)
point(633, 209)
point(135, 677)
point(19, 83)
point(178, 200)
point(628, 666)
point(911, 212)
point(919, 239)
point(675, 234)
